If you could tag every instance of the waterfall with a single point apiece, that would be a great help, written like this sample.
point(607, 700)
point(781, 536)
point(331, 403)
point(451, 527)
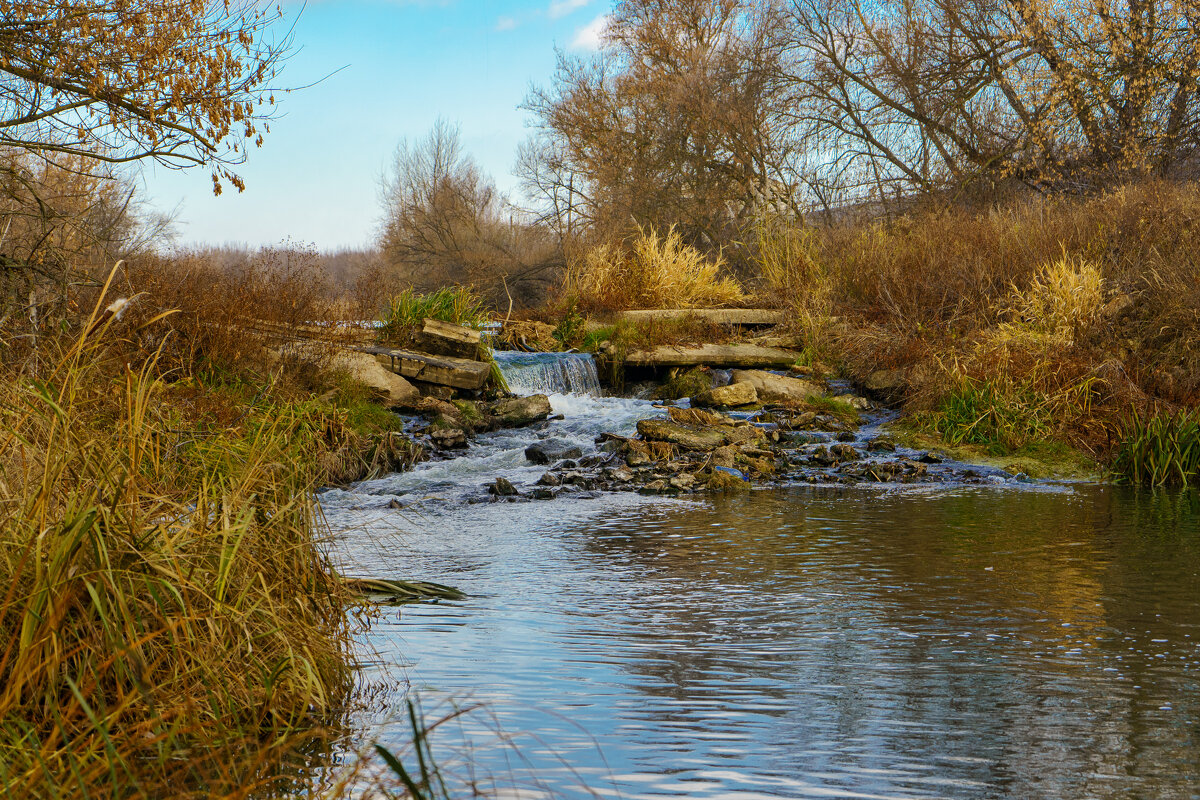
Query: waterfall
point(548, 373)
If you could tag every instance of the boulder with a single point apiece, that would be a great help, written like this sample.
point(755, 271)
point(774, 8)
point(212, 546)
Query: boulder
point(735, 394)
point(386, 385)
point(549, 450)
point(686, 436)
point(517, 412)
point(772, 388)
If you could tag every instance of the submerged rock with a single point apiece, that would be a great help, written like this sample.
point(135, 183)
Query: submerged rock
point(544, 452)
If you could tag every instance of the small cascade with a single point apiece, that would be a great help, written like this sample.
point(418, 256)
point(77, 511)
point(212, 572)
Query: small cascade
point(549, 373)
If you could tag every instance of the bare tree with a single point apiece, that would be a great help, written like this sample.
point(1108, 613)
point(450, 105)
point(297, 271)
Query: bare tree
point(679, 120)
point(917, 95)
point(445, 223)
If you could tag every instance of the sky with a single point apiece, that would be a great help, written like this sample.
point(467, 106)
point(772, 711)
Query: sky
point(390, 69)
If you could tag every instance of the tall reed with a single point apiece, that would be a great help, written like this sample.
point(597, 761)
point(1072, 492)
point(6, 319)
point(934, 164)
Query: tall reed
point(152, 644)
point(1160, 450)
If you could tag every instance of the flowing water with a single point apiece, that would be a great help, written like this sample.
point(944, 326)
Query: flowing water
point(549, 373)
point(1013, 641)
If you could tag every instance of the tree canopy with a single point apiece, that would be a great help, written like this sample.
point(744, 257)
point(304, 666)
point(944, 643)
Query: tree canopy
point(181, 82)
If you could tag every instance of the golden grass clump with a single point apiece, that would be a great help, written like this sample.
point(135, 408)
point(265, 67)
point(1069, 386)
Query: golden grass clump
point(159, 613)
point(649, 271)
point(1063, 301)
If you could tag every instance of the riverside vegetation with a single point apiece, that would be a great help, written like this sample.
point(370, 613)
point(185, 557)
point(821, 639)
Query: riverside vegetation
point(172, 625)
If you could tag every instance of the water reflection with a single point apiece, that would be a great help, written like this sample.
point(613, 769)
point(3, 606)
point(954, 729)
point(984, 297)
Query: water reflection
point(833, 643)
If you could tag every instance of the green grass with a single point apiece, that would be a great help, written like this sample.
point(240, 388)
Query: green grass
point(1160, 450)
point(1043, 458)
point(456, 304)
point(1005, 415)
point(840, 409)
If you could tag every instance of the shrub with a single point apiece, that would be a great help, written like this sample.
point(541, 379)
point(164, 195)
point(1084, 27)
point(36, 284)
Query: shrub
point(649, 271)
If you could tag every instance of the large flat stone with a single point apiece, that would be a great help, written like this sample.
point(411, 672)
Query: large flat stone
point(773, 388)
point(459, 373)
point(735, 394)
point(713, 355)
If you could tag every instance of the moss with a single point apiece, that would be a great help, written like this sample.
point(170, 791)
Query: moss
point(722, 481)
point(470, 412)
point(686, 384)
point(1044, 458)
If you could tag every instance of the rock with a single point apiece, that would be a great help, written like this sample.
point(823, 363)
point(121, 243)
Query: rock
point(550, 479)
point(654, 487)
point(448, 438)
point(724, 456)
point(395, 505)
point(446, 339)
point(846, 436)
point(741, 434)
point(881, 444)
point(844, 452)
point(735, 394)
point(517, 412)
point(822, 457)
point(549, 450)
point(772, 388)
point(502, 487)
point(542, 493)
point(931, 458)
point(619, 474)
point(854, 401)
point(697, 416)
point(686, 436)
point(386, 385)
point(682, 481)
point(731, 480)
point(637, 454)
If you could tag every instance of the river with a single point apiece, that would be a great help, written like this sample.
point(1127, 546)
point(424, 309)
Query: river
point(923, 641)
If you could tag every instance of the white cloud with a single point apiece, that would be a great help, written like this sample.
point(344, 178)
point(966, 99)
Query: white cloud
point(591, 36)
point(560, 8)
point(506, 24)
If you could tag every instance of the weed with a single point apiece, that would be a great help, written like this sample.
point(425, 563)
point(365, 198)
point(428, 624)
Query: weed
point(1160, 450)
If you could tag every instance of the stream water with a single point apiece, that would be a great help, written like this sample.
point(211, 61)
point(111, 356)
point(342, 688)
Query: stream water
point(1015, 641)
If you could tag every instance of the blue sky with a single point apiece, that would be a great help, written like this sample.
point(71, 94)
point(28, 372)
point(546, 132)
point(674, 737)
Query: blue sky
point(403, 64)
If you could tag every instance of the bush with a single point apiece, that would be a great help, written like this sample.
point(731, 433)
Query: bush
point(649, 271)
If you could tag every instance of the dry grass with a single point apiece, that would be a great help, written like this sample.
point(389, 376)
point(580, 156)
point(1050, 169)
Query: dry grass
point(170, 625)
point(1065, 308)
point(649, 271)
